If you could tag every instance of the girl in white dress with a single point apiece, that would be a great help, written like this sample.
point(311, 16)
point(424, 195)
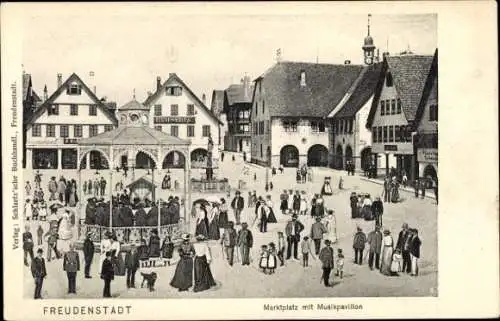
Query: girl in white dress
point(28, 210)
point(303, 204)
point(65, 233)
point(331, 226)
point(105, 247)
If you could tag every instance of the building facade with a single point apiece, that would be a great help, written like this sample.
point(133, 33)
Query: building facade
point(291, 102)
point(237, 106)
point(31, 101)
point(350, 140)
point(217, 108)
point(71, 113)
point(426, 139)
point(393, 111)
point(177, 111)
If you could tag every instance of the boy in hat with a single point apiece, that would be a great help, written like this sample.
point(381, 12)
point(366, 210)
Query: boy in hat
point(305, 246)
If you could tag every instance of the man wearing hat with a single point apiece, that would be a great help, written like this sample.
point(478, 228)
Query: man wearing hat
point(403, 245)
point(88, 254)
point(375, 242)
point(293, 229)
point(237, 205)
point(131, 265)
point(39, 272)
point(326, 258)
point(71, 264)
point(245, 243)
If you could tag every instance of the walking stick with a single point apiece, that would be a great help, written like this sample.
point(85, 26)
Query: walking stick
point(238, 255)
point(222, 250)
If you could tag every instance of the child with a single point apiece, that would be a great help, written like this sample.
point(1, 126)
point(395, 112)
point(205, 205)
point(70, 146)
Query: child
point(264, 255)
point(281, 248)
point(167, 249)
point(306, 249)
point(39, 233)
point(42, 212)
point(271, 260)
point(340, 264)
point(271, 186)
point(396, 262)
point(36, 207)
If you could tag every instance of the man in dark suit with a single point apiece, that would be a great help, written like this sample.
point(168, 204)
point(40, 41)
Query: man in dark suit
point(71, 264)
point(132, 265)
point(28, 246)
point(326, 258)
point(404, 246)
point(245, 243)
point(293, 229)
point(88, 254)
point(39, 273)
point(107, 274)
point(237, 205)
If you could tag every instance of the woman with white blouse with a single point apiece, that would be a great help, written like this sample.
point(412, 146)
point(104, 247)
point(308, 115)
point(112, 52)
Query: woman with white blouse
point(203, 279)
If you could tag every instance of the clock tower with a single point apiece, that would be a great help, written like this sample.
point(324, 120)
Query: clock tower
point(133, 114)
point(369, 47)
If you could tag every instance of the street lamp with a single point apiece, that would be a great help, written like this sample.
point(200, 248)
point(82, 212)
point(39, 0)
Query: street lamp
point(268, 154)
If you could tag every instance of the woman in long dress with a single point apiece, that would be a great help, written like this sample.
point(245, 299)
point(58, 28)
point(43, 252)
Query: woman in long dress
point(213, 223)
point(183, 276)
point(116, 256)
point(330, 223)
point(290, 200)
point(387, 250)
point(303, 204)
point(271, 218)
point(327, 188)
point(203, 278)
point(28, 210)
point(201, 221)
point(65, 232)
point(366, 210)
point(105, 247)
point(394, 191)
point(223, 219)
point(284, 202)
point(73, 198)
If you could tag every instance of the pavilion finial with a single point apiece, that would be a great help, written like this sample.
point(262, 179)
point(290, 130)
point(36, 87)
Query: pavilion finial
point(133, 93)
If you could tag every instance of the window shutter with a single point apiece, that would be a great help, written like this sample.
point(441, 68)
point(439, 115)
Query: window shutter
point(79, 89)
point(67, 90)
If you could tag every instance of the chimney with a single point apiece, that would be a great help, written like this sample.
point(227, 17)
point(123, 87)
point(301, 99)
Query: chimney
point(59, 80)
point(204, 99)
point(45, 93)
point(302, 78)
point(246, 86)
point(158, 83)
point(347, 62)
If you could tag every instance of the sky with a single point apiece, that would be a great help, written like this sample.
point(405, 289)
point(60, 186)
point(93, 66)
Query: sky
point(128, 50)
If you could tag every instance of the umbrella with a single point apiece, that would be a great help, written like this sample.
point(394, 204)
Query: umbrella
point(213, 199)
point(56, 205)
point(201, 201)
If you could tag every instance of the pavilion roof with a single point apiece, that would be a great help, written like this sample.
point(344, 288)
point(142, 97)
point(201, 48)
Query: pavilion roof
point(129, 135)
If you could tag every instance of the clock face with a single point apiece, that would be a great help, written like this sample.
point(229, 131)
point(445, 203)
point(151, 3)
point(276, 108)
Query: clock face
point(123, 118)
point(368, 60)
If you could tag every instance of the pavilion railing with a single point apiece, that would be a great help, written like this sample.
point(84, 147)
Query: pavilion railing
point(133, 234)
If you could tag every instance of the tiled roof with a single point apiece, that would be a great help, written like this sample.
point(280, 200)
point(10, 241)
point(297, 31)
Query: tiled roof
point(409, 73)
point(236, 94)
point(430, 88)
point(133, 105)
point(26, 85)
point(363, 90)
point(129, 135)
point(74, 77)
point(173, 77)
point(326, 85)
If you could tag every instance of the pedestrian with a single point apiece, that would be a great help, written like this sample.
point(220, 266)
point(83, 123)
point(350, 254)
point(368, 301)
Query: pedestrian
point(403, 245)
point(292, 231)
point(201, 220)
point(131, 265)
point(28, 245)
point(42, 212)
point(52, 188)
point(222, 157)
point(271, 186)
point(387, 251)
point(378, 211)
point(404, 179)
point(296, 203)
point(51, 236)
point(228, 241)
point(281, 248)
point(354, 205)
point(271, 259)
point(415, 244)
point(305, 247)
point(375, 242)
point(387, 190)
point(245, 243)
point(27, 189)
point(340, 264)
point(102, 185)
point(223, 217)
point(416, 186)
point(39, 272)
point(264, 255)
point(61, 190)
point(167, 249)
point(281, 169)
point(284, 202)
point(143, 251)
point(326, 258)
point(317, 231)
point(89, 187)
point(28, 210)
point(96, 187)
point(303, 204)
point(39, 233)
point(359, 245)
point(254, 177)
point(71, 264)
point(203, 278)
point(237, 205)
point(105, 247)
point(88, 254)
point(107, 274)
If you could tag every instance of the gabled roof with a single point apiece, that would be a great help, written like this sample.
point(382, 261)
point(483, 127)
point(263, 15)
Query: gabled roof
point(26, 85)
point(144, 179)
point(363, 90)
point(236, 94)
point(129, 135)
point(217, 104)
point(133, 105)
point(172, 78)
point(429, 89)
point(409, 73)
point(326, 85)
point(74, 77)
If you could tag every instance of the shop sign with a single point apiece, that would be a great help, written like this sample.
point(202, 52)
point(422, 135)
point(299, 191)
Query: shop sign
point(173, 120)
point(391, 148)
point(70, 140)
point(427, 155)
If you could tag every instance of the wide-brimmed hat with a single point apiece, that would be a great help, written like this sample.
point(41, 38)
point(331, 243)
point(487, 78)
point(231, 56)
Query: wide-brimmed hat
point(200, 237)
point(185, 237)
point(387, 232)
point(90, 233)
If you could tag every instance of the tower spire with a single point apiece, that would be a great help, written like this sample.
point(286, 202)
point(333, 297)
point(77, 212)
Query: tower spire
point(369, 16)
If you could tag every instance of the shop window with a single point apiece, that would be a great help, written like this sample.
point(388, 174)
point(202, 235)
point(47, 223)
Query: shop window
point(44, 159)
point(69, 159)
point(314, 127)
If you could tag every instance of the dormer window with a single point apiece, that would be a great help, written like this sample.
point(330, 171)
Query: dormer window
point(302, 78)
point(53, 110)
point(388, 79)
point(74, 89)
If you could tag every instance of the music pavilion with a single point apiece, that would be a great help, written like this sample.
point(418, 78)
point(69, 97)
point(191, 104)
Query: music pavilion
point(135, 148)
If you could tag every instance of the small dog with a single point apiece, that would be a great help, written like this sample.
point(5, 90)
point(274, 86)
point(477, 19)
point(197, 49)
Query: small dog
point(150, 278)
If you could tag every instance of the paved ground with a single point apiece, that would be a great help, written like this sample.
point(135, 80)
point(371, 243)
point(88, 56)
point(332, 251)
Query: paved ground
point(292, 280)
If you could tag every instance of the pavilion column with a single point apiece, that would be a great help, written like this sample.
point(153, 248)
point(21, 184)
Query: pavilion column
point(29, 159)
point(59, 158)
point(187, 187)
